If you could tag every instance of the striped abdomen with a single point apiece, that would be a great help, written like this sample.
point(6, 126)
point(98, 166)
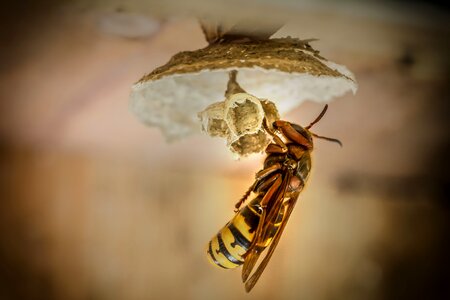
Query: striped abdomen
point(233, 240)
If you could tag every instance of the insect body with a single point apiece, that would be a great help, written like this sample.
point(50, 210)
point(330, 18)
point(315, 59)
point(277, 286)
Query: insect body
point(259, 224)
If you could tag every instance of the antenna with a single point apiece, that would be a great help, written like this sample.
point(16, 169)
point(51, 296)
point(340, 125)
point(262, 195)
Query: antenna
point(327, 138)
point(324, 110)
point(320, 116)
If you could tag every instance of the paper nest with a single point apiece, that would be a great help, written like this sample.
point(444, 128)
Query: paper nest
point(287, 71)
point(239, 119)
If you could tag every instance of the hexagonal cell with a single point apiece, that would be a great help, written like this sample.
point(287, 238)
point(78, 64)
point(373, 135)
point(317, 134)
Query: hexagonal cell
point(239, 119)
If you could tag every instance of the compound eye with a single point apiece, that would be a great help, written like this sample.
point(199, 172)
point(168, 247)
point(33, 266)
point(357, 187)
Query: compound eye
point(302, 131)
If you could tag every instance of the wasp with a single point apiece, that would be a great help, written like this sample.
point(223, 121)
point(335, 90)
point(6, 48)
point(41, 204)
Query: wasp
point(257, 226)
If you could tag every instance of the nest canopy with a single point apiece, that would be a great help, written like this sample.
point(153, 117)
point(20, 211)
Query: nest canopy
point(287, 71)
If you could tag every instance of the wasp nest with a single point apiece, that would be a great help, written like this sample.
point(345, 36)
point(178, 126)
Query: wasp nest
point(240, 119)
point(287, 71)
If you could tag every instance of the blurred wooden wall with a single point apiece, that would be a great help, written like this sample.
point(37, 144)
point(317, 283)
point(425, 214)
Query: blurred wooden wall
point(94, 205)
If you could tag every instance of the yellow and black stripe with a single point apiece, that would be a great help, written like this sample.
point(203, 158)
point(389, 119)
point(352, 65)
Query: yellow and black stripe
point(233, 240)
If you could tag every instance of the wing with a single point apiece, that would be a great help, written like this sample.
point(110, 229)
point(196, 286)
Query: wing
point(288, 206)
point(237, 29)
point(266, 219)
point(262, 175)
point(255, 29)
point(212, 30)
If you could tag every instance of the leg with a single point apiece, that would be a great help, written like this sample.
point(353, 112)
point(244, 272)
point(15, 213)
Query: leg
point(266, 184)
point(259, 176)
point(282, 148)
point(237, 206)
point(267, 171)
point(274, 148)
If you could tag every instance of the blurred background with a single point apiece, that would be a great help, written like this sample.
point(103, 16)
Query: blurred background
point(94, 205)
